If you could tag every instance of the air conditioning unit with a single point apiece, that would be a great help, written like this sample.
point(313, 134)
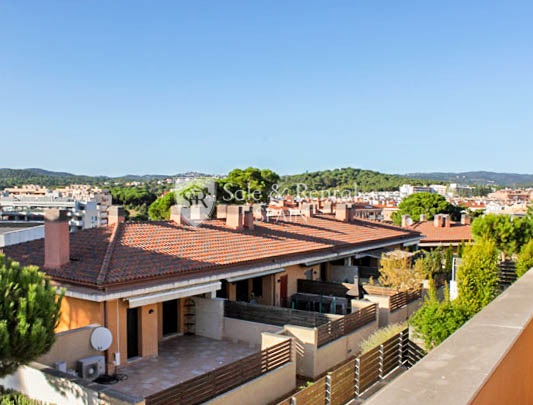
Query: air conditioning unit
point(91, 367)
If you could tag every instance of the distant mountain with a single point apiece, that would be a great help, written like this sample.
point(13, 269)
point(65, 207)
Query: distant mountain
point(47, 178)
point(478, 178)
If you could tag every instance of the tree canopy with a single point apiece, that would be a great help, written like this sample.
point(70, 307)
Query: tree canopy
point(160, 208)
point(250, 185)
point(429, 204)
point(398, 272)
point(344, 179)
point(29, 314)
point(508, 234)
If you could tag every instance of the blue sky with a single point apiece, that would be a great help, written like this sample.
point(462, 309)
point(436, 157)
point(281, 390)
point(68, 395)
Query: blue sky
point(118, 87)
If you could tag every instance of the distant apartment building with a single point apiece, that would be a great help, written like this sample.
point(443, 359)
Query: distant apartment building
point(87, 205)
point(408, 189)
point(517, 195)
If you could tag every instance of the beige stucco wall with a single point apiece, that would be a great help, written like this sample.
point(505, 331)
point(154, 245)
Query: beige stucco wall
point(70, 346)
point(77, 313)
point(402, 314)
point(294, 273)
point(209, 317)
point(262, 390)
point(237, 330)
point(305, 342)
point(341, 349)
point(116, 323)
point(149, 320)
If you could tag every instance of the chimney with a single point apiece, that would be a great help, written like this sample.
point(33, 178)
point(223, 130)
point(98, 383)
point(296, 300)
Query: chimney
point(447, 221)
point(342, 212)
point(248, 220)
point(115, 214)
point(465, 219)
point(178, 214)
point(405, 220)
point(423, 218)
point(308, 210)
point(260, 212)
point(222, 210)
point(438, 221)
point(56, 238)
point(327, 207)
point(235, 217)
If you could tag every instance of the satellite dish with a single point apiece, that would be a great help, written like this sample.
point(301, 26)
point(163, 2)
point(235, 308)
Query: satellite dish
point(101, 339)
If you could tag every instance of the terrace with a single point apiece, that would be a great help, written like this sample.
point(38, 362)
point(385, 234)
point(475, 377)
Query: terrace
point(180, 359)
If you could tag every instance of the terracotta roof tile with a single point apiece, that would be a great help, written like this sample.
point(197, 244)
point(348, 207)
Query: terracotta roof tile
point(432, 234)
point(143, 250)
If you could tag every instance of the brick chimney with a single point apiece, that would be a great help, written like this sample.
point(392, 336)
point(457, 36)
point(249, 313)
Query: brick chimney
point(260, 212)
point(248, 221)
point(465, 219)
point(222, 210)
point(115, 214)
point(235, 217)
point(405, 220)
point(342, 212)
point(327, 207)
point(438, 221)
point(56, 238)
point(178, 214)
point(308, 210)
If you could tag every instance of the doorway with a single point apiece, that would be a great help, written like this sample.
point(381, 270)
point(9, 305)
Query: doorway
point(242, 290)
point(284, 302)
point(132, 324)
point(170, 317)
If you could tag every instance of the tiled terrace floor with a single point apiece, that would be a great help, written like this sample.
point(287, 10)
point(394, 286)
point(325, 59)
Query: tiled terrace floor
point(180, 359)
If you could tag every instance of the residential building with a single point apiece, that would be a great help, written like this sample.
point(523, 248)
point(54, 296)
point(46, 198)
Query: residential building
point(442, 231)
point(147, 281)
point(87, 205)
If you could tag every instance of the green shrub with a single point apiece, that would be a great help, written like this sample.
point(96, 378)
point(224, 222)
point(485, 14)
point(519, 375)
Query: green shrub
point(525, 259)
point(381, 335)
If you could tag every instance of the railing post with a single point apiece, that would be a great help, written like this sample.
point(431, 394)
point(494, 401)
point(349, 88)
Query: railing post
point(293, 401)
point(357, 375)
point(328, 389)
point(380, 362)
point(400, 350)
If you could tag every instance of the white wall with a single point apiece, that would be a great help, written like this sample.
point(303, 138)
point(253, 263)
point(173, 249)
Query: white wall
point(209, 317)
point(22, 235)
point(50, 388)
point(238, 330)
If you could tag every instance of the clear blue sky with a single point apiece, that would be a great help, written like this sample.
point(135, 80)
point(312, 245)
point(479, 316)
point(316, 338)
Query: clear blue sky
point(116, 87)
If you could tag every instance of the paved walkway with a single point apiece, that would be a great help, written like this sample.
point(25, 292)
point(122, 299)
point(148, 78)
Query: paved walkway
point(180, 359)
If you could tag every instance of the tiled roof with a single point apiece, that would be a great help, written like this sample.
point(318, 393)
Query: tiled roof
point(432, 234)
point(145, 250)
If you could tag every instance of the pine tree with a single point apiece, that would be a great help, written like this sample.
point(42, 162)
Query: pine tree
point(29, 314)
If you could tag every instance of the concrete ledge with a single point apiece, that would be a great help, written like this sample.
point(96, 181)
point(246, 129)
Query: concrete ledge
point(487, 361)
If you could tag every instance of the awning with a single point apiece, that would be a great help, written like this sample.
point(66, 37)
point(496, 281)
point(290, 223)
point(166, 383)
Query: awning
point(375, 253)
point(168, 295)
point(254, 275)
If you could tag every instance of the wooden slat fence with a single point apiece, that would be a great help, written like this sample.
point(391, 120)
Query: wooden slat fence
point(273, 315)
point(216, 382)
point(345, 325)
point(321, 288)
point(353, 378)
point(507, 272)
